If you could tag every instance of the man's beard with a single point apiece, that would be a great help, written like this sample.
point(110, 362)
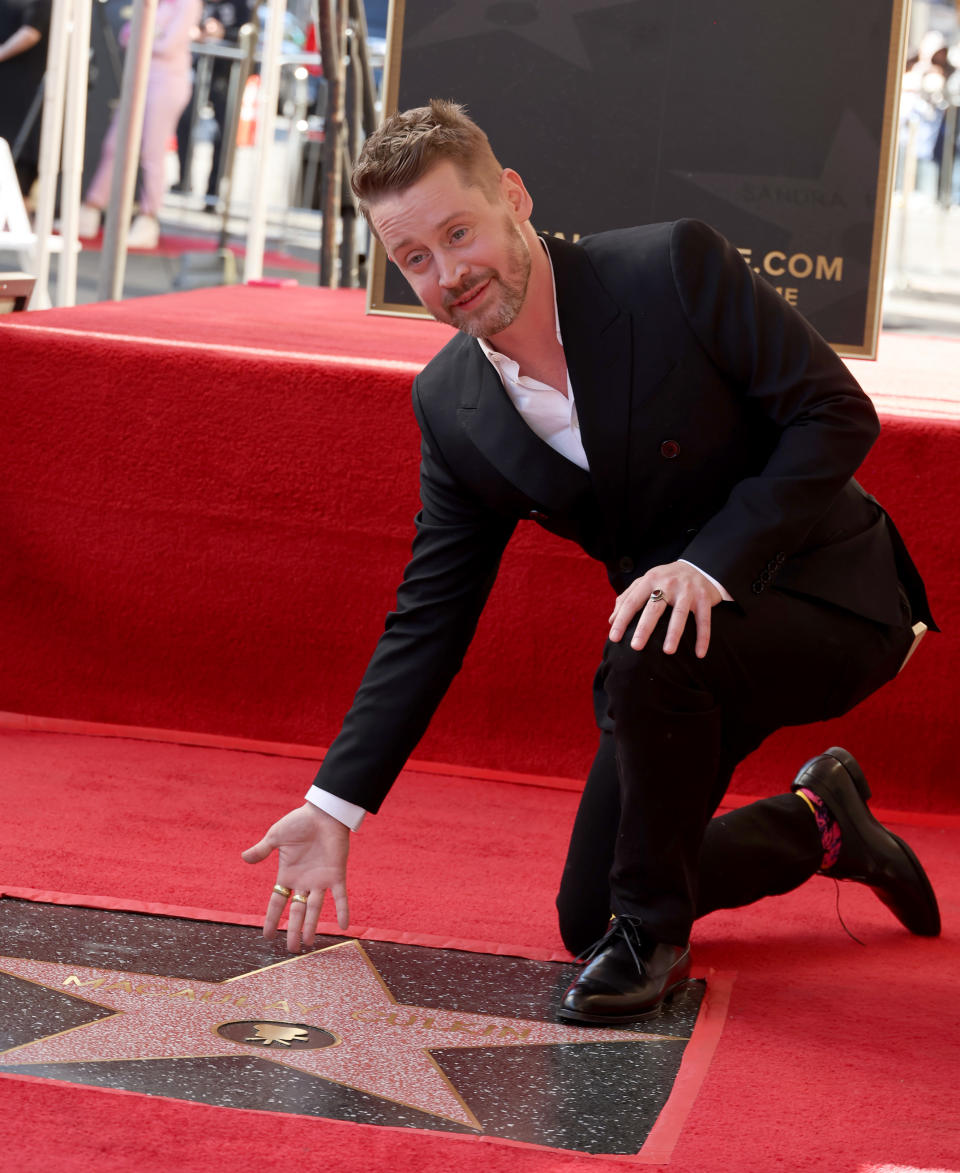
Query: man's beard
point(511, 283)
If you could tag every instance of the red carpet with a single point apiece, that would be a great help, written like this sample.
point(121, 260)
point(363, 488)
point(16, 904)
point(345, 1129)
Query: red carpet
point(835, 1055)
point(205, 523)
point(311, 322)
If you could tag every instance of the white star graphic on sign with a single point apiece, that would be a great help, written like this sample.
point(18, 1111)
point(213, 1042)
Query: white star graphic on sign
point(551, 26)
point(379, 1046)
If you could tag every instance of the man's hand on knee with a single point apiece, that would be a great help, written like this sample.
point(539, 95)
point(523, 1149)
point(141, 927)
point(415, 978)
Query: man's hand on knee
point(678, 586)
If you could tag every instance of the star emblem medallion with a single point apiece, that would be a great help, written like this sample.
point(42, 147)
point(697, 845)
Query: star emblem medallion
point(369, 1031)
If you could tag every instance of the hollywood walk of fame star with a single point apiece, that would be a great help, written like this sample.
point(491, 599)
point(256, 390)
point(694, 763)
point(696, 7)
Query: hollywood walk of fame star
point(548, 24)
point(346, 1025)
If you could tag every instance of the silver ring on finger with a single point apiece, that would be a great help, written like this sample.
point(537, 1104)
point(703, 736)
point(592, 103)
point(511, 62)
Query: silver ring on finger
point(657, 596)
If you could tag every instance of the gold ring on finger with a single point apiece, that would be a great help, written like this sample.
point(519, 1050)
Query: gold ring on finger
point(300, 897)
point(281, 891)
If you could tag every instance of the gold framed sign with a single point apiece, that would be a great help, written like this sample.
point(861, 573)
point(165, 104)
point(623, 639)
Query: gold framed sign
point(775, 125)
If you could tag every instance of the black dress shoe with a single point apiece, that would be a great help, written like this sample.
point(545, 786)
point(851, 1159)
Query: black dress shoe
point(628, 977)
point(869, 853)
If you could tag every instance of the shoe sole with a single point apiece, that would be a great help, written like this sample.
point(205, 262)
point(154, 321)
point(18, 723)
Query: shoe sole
point(581, 1017)
point(850, 764)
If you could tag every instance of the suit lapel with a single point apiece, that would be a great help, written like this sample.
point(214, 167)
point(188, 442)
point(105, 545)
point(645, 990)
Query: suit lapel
point(495, 426)
point(597, 342)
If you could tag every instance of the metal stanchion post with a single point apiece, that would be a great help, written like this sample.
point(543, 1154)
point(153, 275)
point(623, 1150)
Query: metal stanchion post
point(266, 121)
point(332, 38)
point(945, 184)
point(203, 268)
point(348, 150)
point(129, 132)
point(296, 139)
point(239, 74)
point(909, 183)
point(366, 121)
point(949, 155)
point(51, 131)
point(74, 133)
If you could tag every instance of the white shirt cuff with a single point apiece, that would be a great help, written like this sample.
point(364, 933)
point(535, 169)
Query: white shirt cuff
point(344, 812)
point(724, 593)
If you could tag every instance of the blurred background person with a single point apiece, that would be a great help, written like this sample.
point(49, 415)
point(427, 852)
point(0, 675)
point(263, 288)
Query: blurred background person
point(922, 105)
point(221, 22)
point(169, 87)
point(24, 25)
point(947, 153)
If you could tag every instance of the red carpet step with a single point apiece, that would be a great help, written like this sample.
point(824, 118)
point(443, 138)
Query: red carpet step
point(207, 504)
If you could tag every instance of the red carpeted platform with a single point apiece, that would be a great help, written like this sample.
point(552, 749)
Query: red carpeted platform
point(207, 503)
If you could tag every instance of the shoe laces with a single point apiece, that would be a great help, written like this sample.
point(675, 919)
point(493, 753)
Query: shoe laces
point(625, 927)
point(852, 936)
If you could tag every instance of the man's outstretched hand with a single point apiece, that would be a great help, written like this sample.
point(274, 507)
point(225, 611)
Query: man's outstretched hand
point(313, 849)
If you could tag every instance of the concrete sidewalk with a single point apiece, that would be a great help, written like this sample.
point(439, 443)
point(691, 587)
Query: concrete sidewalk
point(922, 285)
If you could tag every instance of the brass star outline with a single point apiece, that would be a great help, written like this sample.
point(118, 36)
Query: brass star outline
point(383, 1047)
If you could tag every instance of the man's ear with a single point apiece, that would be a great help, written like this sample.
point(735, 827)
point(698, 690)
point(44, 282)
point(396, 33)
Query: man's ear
point(515, 195)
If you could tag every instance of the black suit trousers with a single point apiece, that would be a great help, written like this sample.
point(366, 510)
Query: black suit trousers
point(674, 728)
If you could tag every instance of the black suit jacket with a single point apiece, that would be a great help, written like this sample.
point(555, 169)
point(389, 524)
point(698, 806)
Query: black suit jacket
point(718, 427)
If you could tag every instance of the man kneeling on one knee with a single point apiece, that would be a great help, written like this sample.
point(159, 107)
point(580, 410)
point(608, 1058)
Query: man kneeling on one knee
point(643, 394)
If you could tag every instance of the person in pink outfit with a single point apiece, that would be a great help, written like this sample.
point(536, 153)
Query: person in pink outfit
point(169, 86)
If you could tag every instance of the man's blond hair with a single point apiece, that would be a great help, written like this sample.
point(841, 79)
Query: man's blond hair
point(410, 142)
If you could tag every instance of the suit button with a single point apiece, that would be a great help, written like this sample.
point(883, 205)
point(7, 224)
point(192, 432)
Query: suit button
point(536, 515)
point(625, 564)
point(757, 588)
point(669, 449)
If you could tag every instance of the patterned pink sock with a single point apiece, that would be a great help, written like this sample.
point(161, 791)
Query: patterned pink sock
point(826, 825)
